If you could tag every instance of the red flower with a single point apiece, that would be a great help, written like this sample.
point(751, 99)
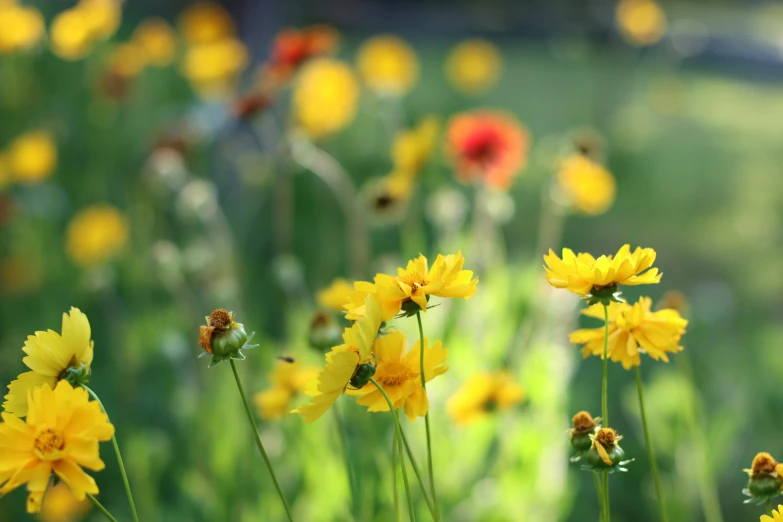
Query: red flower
point(293, 47)
point(487, 146)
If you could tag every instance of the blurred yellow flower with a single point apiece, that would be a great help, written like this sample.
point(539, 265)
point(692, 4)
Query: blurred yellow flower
point(325, 97)
point(288, 380)
point(20, 27)
point(474, 66)
point(96, 235)
point(70, 34)
point(586, 185)
point(386, 198)
point(60, 436)
point(413, 148)
point(641, 22)
point(61, 506)
point(583, 273)
point(399, 373)
point(214, 67)
point(335, 295)
point(158, 41)
point(483, 393)
point(101, 16)
point(205, 22)
point(633, 329)
point(127, 59)
point(51, 356)
point(31, 157)
point(388, 65)
point(777, 515)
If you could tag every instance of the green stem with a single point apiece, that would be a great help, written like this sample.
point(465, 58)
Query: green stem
point(769, 507)
point(418, 473)
point(101, 508)
point(346, 459)
point(119, 459)
point(259, 443)
point(436, 511)
point(599, 489)
point(398, 435)
point(650, 454)
point(605, 379)
point(395, 448)
point(607, 515)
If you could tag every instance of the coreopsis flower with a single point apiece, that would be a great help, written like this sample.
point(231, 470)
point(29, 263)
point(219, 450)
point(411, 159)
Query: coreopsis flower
point(60, 436)
point(288, 380)
point(474, 66)
point(335, 295)
point(293, 47)
point(325, 97)
point(641, 22)
point(61, 506)
point(586, 185)
point(765, 479)
point(32, 157)
point(157, 40)
point(205, 22)
point(388, 65)
point(214, 67)
point(95, 235)
point(21, 27)
point(488, 147)
point(605, 453)
point(411, 288)
point(584, 425)
point(777, 515)
point(223, 338)
point(52, 357)
point(349, 364)
point(633, 330)
point(483, 393)
point(70, 35)
point(399, 373)
point(102, 17)
point(386, 198)
point(412, 149)
point(598, 278)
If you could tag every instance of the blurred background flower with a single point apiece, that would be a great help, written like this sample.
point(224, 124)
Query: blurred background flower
point(388, 65)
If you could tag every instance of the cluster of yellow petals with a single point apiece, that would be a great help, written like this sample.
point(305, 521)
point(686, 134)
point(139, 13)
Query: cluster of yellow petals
point(474, 66)
point(415, 283)
point(586, 185)
point(153, 44)
point(325, 97)
point(399, 373)
point(21, 27)
point(583, 273)
point(60, 436)
point(777, 515)
point(388, 65)
point(29, 158)
point(484, 392)
point(75, 31)
point(61, 506)
point(96, 235)
point(641, 22)
point(335, 295)
point(288, 380)
point(633, 330)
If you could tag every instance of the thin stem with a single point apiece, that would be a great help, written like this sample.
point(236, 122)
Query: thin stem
point(395, 450)
point(769, 507)
point(650, 454)
point(346, 459)
point(119, 459)
point(399, 435)
point(599, 489)
point(607, 514)
point(259, 443)
point(605, 380)
point(436, 511)
point(418, 473)
point(101, 508)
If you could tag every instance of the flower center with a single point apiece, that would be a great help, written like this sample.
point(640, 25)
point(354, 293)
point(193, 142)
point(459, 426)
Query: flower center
point(220, 318)
point(48, 442)
point(483, 146)
point(606, 436)
point(393, 373)
point(583, 421)
point(414, 280)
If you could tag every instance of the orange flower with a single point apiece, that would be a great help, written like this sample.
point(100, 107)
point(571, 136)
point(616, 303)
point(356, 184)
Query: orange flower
point(487, 146)
point(292, 47)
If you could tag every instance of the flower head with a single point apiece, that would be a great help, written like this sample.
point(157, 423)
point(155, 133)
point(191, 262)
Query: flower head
point(157, 40)
point(490, 147)
point(777, 515)
point(335, 295)
point(75, 31)
point(95, 235)
point(60, 436)
point(52, 357)
point(214, 67)
point(583, 274)
point(641, 22)
point(586, 185)
point(765, 478)
point(288, 380)
point(61, 506)
point(633, 329)
point(483, 393)
point(412, 149)
point(205, 22)
point(474, 66)
point(325, 97)
point(293, 47)
point(223, 338)
point(605, 453)
point(399, 373)
point(323, 332)
point(584, 425)
point(388, 65)
point(20, 27)
point(31, 157)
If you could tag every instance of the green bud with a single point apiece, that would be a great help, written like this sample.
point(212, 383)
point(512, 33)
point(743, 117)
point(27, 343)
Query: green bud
point(411, 308)
point(764, 485)
point(581, 441)
point(594, 460)
point(223, 338)
point(77, 374)
point(323, 333)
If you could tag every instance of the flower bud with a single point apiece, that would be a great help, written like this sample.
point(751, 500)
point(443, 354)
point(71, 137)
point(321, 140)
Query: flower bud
point(223, 338)
point(323, 333)
point(410, 308)
point(605, 454)
point(765, 481)
point(584, 426)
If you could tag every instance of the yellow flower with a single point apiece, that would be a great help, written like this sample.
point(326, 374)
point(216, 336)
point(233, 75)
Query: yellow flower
point(484, 392)
point(335, 295)
point(32, 157)
point(415, 284)
point(348, 363)
point(399, 373)
point(20, 27)
point(60, 436)
point(213, 67)
point(474, 66)
point(71, 38)
point(205, 22)
point(101, 16)
point(325, 97)
point(586, 185)
point(61, 506)
point(583, 273)
point(388, 65)
point(288, 380)
point(641, 22)
point(51, 357)
point(413, 148)
point(158, 41)
point(127, 59)
point(777, 515)
point(633, 329)
point(95, 235)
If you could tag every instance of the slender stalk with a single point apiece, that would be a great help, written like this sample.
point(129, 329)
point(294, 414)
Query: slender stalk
point(259, 443)
point(346, 459)
point(395, 449)
point(418, 474)
point(599, 489)
point(399, 439)
point(124, 474)
point(436, 511)
point(605, 408)
point(650, 454)
point(101, 508)
point(607, 513)
point(769, 507)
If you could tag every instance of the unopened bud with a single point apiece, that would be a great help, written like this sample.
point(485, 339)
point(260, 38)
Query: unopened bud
point(223, 338)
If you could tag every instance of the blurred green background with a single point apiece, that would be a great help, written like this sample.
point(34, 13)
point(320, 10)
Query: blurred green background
point(218, 214)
